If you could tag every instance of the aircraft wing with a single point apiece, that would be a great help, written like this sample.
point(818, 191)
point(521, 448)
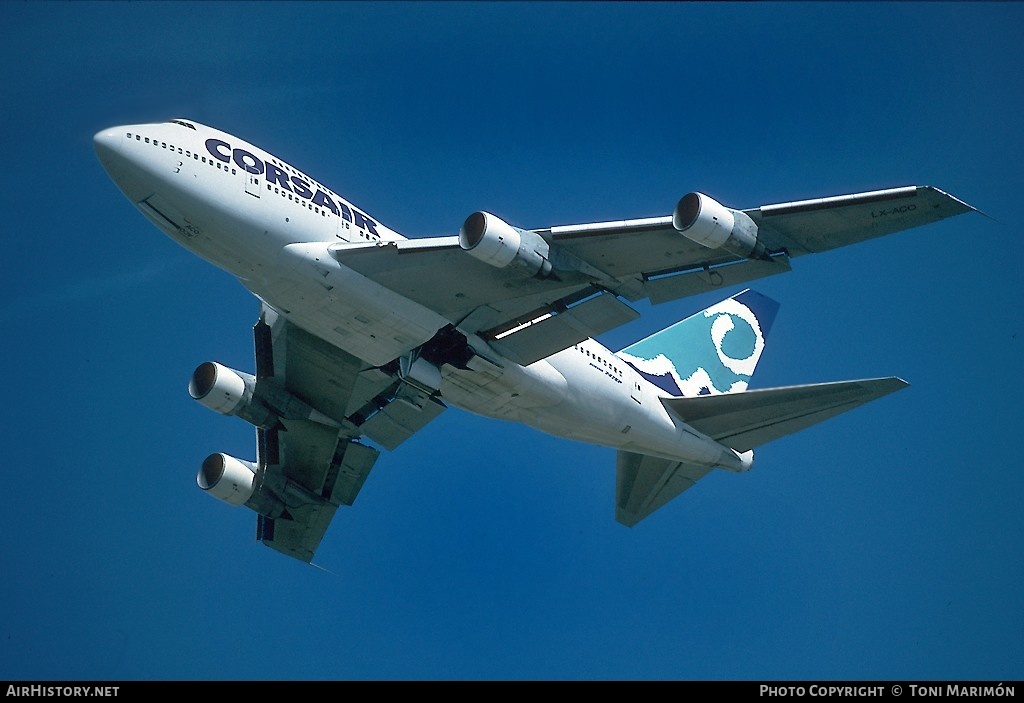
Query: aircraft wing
point(740, 421)
point(310, 461)
point(596, 267)
point(812, 226)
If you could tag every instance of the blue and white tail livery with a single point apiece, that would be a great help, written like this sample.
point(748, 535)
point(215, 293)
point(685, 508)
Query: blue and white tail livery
point(703, 365)
point(712, 352)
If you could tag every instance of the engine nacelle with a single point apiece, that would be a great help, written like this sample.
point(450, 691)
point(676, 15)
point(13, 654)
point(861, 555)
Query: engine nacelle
point(709, 223)
point(227, 478)
point(495, 242)
point(229, 392)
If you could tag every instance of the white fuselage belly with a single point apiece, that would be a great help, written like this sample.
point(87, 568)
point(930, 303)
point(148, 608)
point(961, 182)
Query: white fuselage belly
point(276, 244)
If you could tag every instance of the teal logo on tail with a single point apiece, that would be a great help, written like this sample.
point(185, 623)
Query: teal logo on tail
point(712, 352)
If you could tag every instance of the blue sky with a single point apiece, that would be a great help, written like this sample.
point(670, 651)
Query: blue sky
point(883, 544)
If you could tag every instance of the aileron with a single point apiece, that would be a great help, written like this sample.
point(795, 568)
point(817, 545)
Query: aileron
point(814, 226)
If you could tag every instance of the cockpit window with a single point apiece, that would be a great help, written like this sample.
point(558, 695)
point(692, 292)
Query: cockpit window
point(182, 123)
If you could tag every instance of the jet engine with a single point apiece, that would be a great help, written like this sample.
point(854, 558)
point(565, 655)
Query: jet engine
point(495, 242)
point(709, 223)
point(229, 392)
point(234, 482)
point(227, 478)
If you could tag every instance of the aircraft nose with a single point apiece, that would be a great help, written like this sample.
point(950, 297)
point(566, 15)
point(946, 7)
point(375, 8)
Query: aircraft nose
point(115, 153)
point(107, 144)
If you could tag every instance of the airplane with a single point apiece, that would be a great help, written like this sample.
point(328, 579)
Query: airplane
point(365, 336)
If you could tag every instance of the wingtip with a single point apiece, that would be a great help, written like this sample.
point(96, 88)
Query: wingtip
point(321, 568)
point(887, 385)
point(626, 519)
point(964, 206)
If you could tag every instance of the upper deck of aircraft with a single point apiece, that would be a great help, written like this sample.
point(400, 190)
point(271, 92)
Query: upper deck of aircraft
point(192, 144)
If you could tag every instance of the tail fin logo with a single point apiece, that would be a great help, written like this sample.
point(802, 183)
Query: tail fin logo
point(712, 352)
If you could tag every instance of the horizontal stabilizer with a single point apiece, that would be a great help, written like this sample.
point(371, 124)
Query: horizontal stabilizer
point(645, 483)
point(746, 420)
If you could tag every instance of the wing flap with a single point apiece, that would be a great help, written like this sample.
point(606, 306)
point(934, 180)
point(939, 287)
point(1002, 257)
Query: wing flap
point(749, 419)
point(300, 536)
point(552, 331)
point(344, 485)
point(308, 452)
point(316, 474)
point(397, 421)
point(704, 279)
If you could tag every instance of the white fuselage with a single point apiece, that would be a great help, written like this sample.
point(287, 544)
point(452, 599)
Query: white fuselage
point(268, 224)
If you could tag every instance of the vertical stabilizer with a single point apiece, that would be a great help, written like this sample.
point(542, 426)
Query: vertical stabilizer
point(710, 353)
